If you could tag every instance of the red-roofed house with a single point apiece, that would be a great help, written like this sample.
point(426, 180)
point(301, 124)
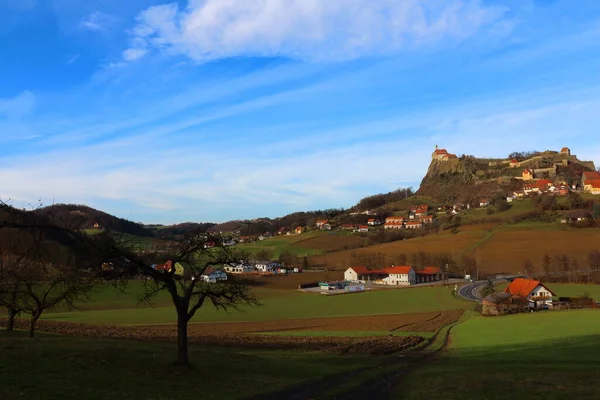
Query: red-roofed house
point(373, 222)
point(413, 225)
point(535, 292)
point(565, 151)
point(362, 228)
point(429, 274)
point(321, 222)
point(514, 163)
point(589, 175)
point(397, 275)
point(299, 230)
point(527, 174)
point(592, 186)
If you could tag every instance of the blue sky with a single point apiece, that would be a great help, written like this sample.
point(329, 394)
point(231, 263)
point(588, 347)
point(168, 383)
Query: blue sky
point(212, 110)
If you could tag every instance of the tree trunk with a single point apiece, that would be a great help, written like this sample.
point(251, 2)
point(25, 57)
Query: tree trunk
point(182, 338)
point(10, 324)
point(32, 322)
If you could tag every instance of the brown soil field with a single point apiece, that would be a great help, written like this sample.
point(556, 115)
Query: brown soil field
point(342, 345)
point(331, 242)
point(507, 251)
point(291, 281)
point(432, 244)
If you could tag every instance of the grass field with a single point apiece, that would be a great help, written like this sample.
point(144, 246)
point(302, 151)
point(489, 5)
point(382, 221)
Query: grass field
point(306, 244)
point(550, 355)
point(289, 305)
point(78, 368)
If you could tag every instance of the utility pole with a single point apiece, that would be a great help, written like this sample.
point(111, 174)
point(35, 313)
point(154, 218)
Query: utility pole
point(446, 276)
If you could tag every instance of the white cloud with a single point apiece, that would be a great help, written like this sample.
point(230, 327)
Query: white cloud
point(313, 30)
point(133, 54)
point(96, 21)
point(18, 106)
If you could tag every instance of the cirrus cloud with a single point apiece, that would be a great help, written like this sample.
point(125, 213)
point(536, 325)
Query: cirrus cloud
point(312, 30)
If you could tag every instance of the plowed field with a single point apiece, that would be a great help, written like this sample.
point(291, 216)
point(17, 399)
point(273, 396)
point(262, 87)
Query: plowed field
point(240, 333)
point(331, 242)
point(342, 345)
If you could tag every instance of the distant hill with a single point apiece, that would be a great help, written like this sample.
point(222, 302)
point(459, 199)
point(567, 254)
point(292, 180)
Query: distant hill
point(81, 217)
point(178, 231)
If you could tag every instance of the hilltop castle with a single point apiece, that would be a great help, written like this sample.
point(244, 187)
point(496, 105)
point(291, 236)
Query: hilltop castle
point(442, 154)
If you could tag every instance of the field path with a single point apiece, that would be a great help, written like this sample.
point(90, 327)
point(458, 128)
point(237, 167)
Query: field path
point(381, 381)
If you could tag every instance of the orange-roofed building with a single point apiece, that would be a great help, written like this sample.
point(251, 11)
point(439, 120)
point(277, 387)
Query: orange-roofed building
point(565, 151)
point(589, 175)
point(400, 275)
point(321, 222)
point(527, 174)
point(592, 186)
point(429, 274)
point(514, 163)
point(535, 292)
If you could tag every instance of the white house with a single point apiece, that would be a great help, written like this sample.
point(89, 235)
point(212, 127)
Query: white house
point(535, 292)
point(266, 266)
point(213, 275)
point(484, 203)
point(240, 269)
point(400, 276)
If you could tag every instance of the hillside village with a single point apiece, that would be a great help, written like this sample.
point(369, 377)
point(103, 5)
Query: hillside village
point(539, 174)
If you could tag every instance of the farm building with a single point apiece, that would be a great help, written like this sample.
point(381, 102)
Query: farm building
point(495, 303)
point(395, 275)
point(535, 292)
point(404, 275)
point(429, 274)
point(363, 274)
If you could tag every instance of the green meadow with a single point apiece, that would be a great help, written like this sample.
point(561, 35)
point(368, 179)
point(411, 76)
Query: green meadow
point(549, 355)
point(64, 367)
point(110, 307)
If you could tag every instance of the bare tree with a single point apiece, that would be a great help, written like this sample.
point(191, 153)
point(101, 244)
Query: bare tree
point(40, 268)
point(188, 278)
point(44, 285)
point(9, 289)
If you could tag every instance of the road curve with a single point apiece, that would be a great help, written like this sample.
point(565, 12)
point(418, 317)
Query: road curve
point(471, 291)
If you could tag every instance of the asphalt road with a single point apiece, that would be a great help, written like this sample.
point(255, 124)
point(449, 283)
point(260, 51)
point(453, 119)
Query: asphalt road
point(470, 291)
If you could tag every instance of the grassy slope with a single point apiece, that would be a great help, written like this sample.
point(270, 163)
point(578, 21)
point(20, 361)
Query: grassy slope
point(436, 243)
point(278, 244)
point(77, 368)
point(550, 355)
point(289, 306)
point(498, 248)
